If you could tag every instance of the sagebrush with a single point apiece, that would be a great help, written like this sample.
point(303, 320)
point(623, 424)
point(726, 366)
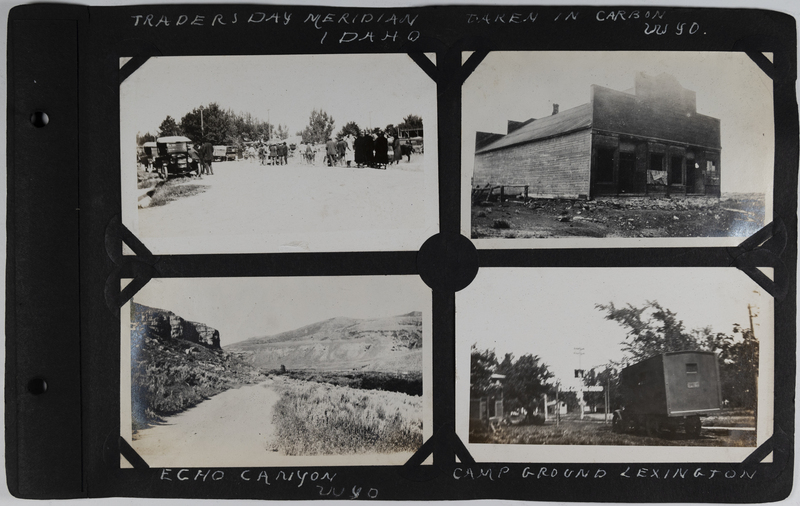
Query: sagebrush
point(323, 419)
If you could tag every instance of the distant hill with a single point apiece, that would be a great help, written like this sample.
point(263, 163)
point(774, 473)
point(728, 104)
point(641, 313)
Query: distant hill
point(391, 344)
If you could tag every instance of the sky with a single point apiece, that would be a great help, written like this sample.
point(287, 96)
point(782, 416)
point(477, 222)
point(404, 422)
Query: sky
point(550, 312)
point(241, 308)
point(370, 89)
point(729, 86)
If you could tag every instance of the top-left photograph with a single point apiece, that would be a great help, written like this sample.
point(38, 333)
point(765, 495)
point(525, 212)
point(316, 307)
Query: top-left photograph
point(279, 153)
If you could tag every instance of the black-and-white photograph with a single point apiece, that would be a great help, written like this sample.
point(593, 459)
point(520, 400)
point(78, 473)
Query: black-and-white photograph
point(634, 148)
point(279, 153)
point(308, 371)
point(614, 365)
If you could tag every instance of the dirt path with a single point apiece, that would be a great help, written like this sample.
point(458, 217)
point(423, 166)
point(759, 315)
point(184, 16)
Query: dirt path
point(230, 429)
point(245, 202)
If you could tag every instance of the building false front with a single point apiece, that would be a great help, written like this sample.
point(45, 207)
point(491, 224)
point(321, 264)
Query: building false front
point(646, 141)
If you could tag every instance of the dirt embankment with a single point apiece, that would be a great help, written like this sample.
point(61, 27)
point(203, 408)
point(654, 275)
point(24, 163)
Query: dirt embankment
point(738, 215)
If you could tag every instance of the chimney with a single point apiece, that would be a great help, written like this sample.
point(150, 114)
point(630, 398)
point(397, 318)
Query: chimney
point(555, 109)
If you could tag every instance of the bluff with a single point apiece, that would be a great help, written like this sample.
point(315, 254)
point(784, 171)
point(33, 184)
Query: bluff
point(162, 324)
point(389, 344)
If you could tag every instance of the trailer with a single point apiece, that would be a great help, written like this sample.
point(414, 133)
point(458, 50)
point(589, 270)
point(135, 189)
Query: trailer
point(670, 391)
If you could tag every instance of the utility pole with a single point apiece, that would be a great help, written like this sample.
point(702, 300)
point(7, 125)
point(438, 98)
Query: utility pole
point(579, 352)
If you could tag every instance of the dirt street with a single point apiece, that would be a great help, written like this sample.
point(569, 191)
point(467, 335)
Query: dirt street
point(735, 215)
point(248, 207)
point(232, 428)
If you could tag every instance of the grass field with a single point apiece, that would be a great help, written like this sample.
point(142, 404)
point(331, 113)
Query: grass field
point(322, 419)
point(572, 431)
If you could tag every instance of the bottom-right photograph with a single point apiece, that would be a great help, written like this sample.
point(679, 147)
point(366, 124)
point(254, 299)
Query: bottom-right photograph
point(614, 365)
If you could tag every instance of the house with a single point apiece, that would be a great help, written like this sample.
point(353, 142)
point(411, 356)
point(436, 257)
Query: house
point(489, 408)
point(646, 141)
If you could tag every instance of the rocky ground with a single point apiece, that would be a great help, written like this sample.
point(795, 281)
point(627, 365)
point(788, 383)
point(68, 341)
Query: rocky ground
point(738, 215)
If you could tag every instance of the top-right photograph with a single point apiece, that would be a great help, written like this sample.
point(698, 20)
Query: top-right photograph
point(616, 149)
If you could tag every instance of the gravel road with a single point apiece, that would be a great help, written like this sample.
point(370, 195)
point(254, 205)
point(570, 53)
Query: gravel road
point(231, 428)
point(248, 207)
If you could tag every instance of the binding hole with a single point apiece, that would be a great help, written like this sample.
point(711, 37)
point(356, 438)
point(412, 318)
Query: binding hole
point(37, 386)
point(39, 119)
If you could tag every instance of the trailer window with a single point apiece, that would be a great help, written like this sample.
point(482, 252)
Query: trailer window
point(691, 368)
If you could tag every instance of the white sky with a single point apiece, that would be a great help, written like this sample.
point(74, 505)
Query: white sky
point(241, 308)
point(729, 86)
point(550, 312)
point(366, 88)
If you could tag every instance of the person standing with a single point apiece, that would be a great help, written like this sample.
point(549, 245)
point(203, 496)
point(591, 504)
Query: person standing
point(330, 152)
point(369, 150)
point(397, 150)
point(207, 156)
point(381, 150)
point(349, 154)
point(358, 148)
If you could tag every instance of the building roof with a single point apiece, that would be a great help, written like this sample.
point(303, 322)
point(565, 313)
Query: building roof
point(570, 120)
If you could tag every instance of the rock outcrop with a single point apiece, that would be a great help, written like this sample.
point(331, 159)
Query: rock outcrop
point(162, 324)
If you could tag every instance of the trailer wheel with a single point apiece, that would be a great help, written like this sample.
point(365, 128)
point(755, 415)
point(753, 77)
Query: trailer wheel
point(693, 426)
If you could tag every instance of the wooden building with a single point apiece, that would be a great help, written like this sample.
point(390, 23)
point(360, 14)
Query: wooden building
point(649, 140)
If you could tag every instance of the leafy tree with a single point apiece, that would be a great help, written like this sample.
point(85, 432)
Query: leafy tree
point(282, 132)
point(526, 380)
point(320, 126)
point(169, 127)
point(350, 128)
point(141, 139)
point(651, 328)
point(211, 125)
point(412, 121)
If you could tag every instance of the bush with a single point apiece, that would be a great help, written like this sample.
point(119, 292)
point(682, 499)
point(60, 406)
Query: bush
point(501, 224)
point(318, 419)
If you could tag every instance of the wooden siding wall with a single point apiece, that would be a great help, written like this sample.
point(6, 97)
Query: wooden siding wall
point(558, 167)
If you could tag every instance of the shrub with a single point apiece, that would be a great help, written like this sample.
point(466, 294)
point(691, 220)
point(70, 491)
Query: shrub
point(501, 224)
point(319, 419)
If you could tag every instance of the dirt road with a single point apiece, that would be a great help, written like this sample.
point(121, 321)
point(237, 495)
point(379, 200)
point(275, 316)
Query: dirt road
point(247, 207)
point(230, 429)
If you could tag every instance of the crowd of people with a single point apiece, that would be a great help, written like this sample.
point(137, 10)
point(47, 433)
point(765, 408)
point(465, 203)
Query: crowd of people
point(366, 150)
point(269, 154)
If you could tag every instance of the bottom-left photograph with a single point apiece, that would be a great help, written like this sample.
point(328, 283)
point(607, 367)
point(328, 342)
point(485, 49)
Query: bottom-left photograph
point(272, 371)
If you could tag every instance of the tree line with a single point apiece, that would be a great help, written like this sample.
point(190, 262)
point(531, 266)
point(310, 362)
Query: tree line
point(650, 329)
point(218, 126)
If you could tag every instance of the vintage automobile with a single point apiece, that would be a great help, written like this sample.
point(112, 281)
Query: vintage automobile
point(220, 153)
point(146, 155)
point(230, 153)
point(670, 391)
point(174, 156)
